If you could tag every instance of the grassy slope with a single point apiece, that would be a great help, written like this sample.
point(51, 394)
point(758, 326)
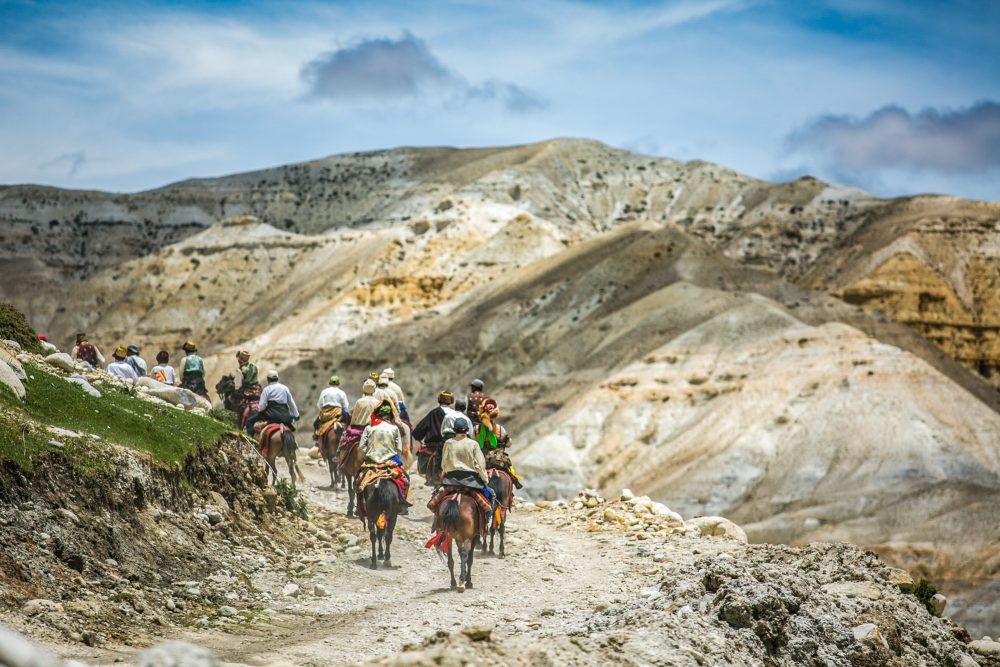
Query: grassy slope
point(118, 418)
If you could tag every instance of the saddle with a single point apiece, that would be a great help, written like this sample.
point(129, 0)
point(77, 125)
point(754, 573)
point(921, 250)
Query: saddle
point(349, 441)
point(371, 473)
point(454, 493)
point(507, 501)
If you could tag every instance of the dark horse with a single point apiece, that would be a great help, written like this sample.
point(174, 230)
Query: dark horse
point(382, 503)
point(329, 442)
point(502, 491)
point(349, 465)
point(459, 519)
point(234, 400)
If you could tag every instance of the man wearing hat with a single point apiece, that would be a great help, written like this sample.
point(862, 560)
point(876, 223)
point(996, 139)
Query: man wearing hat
point(330, 400)
point(429, 432)
point(84, 350)
point(397, 393)
point(133, 359)
point(474, 400)
point(276, 405)
point(121, 368)
point(193, 370)
point(249, 387)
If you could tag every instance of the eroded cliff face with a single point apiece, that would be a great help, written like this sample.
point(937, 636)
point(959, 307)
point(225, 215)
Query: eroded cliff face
point(932, 263)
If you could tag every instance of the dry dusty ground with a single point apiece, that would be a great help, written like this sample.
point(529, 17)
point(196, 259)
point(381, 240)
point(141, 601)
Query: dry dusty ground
point(550, 584)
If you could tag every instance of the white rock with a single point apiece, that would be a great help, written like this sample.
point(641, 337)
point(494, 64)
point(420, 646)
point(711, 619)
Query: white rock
point(939, 602)
point(314, 452)
point(68, 514)
point(352, 551)
point(319, 590)
point(201, 622)
point(717, 526)
point(14, 364)
point(63, 432)
point(56, 443)
point(627, 495)
point(227, 611)
point(84, 384)
point(290, 590)
point(174, 395)
point(47, 347)
point(219, 501)
point(178, 654)
point(854, 589)
point(9, 379)
point(214, 517)
point(61, 360)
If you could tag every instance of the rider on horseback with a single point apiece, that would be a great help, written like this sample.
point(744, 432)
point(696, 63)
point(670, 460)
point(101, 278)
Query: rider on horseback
point(193, 370)
point(463, 469)
point(249, 387)
point(430, 432)
point(276, 405)
point(494, 441)
point(332, 406)
point(382, 447)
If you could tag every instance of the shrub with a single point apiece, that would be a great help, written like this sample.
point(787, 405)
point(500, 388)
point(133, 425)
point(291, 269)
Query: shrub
point(290, 499)
point(14, 326)
point(923, 591)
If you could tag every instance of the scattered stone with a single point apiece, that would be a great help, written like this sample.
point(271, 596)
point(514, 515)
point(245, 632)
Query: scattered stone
point(47, 347)
point(171, 605)
point(201, 622)
point(717, 526)
point(56, 443)
point(868, 634)
point(68, 514)
point(178, 654)
point(939, 602)
point(62, 361)
point(11, 344)
point(14, 363)
point(290, 590)
point(271, 502)
point(63, 432)
point(627, 495)
point(219, 501)
point(320, 591)
point(227, 611)
point(214, 517)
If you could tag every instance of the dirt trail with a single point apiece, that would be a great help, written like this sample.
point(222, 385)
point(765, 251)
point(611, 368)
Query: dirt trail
point(549, 584)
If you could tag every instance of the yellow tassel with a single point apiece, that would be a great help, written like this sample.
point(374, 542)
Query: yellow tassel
point(497, 517)
point(518, 477)
point(380, 522)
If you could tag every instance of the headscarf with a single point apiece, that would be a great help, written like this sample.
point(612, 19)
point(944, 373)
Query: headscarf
point(488, 434)
point(368, 388)
point(382, 412)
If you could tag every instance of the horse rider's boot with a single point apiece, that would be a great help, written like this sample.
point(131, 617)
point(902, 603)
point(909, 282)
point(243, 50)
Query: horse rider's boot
point(514, 477)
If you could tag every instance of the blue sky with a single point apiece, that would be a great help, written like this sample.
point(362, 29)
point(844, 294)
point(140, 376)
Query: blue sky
point(896, 97)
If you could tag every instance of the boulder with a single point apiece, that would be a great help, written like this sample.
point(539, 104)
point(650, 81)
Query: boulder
point(854, 589)
point(899, 578)
point(11, 345)
point(40, 606)
point(62, 361)
point(84, 384)
point(174, 395)
point(14, 364)
point(9, 379)
point(218, 500)
point(717, 526)
point(868, 635)
point(17, 651)
point(939, 602)
point(290, 590)
point(47, 347)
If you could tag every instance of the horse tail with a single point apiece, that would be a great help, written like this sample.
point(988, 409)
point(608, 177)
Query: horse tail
point(496, 483)
point(451, 516)
point(288, 440)
point(380, 498)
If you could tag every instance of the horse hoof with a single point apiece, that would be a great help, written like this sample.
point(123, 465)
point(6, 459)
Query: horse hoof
point(468, 584)
point(454, 585)
point(460, 589)
point(373, 566)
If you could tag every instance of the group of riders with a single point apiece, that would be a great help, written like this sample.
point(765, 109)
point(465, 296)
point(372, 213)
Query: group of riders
point(129, 365)
point(460, 445)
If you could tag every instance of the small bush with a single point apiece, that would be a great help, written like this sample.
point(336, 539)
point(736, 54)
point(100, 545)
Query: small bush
point(227, 417)
point(923, 591)
point(290, 499)
point(14, 326)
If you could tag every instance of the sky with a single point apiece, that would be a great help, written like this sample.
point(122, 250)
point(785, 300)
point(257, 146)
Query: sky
point(894, 96)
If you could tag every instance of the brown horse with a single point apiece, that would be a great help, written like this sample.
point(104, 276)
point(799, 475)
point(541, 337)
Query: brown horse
point(281, 441)
point(382, 503)
point(349, 465)
point(329, 442)
point(234, 401)
point(503, 490)
point(459, 519)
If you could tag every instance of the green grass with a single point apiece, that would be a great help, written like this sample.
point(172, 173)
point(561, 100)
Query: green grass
point(118, 417)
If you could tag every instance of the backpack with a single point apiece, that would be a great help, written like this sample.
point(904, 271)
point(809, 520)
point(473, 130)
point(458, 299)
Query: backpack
point(87, 352)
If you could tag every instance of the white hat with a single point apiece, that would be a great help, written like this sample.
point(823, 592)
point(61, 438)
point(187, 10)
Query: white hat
point(272, 374)
point(368, 387)
point(389, 373)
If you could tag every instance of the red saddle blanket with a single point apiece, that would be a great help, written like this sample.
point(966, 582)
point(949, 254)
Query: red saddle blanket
point(348, 443)
point(266, 433)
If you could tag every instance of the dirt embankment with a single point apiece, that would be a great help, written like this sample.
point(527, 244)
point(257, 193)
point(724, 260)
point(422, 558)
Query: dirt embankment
point(95, 555)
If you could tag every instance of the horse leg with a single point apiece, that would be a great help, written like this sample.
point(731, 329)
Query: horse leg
point(372, 539)
point(463, 553)
point(381, 539)
point(503, 526)
point(468, 571)
point(350, 495)
point(291, 469)
point(390, 526)
point(451, 560)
